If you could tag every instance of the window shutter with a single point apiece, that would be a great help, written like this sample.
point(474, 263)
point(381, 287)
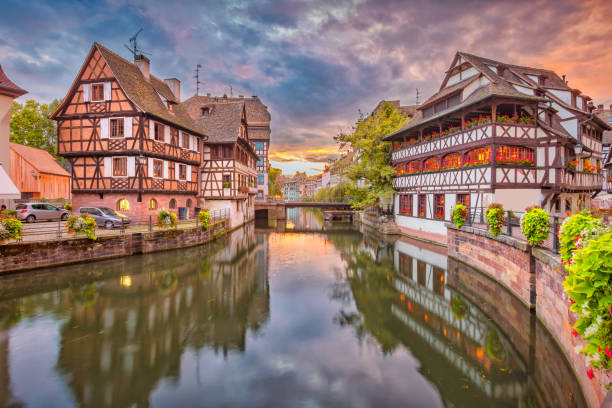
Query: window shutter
point(104, 128)
point(127, 127)
point(150, 167)
point(107, 91)
point(86, 92)
point(176, 171)
point(131, 166)
point(151, 129)
point(108, 166)
point(188, 172)
point(165, 169)
point(167, 134)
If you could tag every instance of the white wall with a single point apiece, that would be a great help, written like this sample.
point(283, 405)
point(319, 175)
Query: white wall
point(239, 214)
point(421, 224)
point(517, 199)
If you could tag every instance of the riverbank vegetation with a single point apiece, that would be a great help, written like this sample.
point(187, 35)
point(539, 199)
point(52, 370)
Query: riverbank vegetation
point(370, 175)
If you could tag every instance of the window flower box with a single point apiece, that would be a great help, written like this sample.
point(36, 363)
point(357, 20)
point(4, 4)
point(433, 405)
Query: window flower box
point(439, 216)
point(226, 184)
point(422, 214)
point(515, 162)
point(572, 164)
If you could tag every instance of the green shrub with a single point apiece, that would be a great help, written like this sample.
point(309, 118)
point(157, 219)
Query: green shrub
point(588, 286)
point(460, 214)
point(10, 228)
point(535, 225)
point(204, 218)
point(166, 219)
point(496, 217)
point(571, 231)
point(458, 307)
point(82, 224)
point(10, 213)
point(68, 206)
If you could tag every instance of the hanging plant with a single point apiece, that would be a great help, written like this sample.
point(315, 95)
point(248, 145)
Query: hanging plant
point(496, 217)
point(10, 228)
point(204, 218)
point(535, 225)
point(82, 224)
point(460, 214)
point(494, 347)
point(166, 219)
point(571, 231)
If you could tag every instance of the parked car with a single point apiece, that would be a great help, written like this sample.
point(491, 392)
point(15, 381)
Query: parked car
point(31, 212)
point(105, 217)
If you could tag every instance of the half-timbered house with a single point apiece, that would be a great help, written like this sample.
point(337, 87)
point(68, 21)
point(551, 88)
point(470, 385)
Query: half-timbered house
point(131, 144)
point(258, 125)
point(228, 172)
point(496, 132)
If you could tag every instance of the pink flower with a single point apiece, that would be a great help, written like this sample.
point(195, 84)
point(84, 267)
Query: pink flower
point(572, 301)
point(590, 373)
point(610, 311)
point(608, 352)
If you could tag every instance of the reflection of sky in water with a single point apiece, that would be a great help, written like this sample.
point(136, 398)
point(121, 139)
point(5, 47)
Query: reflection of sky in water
point(274, 320)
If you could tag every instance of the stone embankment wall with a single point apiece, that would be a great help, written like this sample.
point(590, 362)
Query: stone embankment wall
point(534, 276)
point(29, 255)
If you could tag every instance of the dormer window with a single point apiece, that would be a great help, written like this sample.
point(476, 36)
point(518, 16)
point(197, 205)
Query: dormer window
point(542, 80)
point(170, 106)
point(205, 111)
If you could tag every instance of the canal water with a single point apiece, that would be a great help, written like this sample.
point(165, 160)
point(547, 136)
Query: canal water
point(293, 314)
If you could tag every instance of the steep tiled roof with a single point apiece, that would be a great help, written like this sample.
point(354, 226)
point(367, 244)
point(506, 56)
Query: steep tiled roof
point(40, 159)
point(149, 96)
point(222, 124)
point(8, 87)
point(257, 114)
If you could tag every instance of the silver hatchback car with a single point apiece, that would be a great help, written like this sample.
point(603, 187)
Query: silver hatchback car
point(105, 217)
point(31, 212)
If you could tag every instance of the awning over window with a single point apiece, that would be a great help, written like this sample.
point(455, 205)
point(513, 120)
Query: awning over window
point(7, 188)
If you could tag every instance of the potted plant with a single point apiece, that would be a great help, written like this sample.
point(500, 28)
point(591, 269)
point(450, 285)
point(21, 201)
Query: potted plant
point(10, 228)
point(226, 184)
point(496, 216)
point(204, 218)
point(535, 225)
point(460, 213)
point(166, 219)
point(82, 224)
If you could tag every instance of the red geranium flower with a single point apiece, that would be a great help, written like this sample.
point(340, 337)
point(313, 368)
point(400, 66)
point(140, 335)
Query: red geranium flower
point(574, 332)
point(590, 373)
point(608, 353)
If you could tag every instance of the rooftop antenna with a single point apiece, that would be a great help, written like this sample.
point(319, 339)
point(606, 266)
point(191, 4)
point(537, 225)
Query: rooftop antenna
point(231, 91)
point(197, 78)
point(133, 47)
point(418, 95)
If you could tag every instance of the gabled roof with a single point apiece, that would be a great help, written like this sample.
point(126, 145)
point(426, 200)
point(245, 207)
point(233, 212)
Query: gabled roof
point(149, 96)
point(257, 115)
point(8, 87)
point(40, 159)
point(222, 123)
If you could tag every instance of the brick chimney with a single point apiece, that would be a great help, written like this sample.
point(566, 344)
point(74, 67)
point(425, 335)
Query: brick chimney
point(175, 86)
point(143, 65)
point(600, 107)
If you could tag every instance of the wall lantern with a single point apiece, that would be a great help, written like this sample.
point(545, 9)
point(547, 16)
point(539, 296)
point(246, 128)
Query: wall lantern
point(578, 149)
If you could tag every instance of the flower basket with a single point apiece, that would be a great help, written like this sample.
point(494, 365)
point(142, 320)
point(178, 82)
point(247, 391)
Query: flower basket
point(10, 228)
point(496, 216)
point(535, 225)
point(68, 206)
point(460, 214)
point(82, 224)
point(421, 213)
point(204, 218)
point(226, 184)
point(166, 219)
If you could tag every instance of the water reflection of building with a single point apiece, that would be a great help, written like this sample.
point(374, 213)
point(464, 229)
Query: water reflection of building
point(402, 298)
point(124, 333)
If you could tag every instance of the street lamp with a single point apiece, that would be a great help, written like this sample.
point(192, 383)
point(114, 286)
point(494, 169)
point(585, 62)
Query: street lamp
point(578, 149)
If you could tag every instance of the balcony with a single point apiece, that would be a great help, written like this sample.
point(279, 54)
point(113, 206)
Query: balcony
point(466, 138)
point(477, 177)
point(581, 180)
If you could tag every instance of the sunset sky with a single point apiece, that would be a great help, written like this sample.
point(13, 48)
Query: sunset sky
point(314, 63)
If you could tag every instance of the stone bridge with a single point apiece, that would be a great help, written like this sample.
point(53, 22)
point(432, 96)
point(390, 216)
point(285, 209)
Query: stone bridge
point(277, 210)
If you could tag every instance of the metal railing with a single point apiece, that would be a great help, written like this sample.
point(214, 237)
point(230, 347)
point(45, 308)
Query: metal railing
point(57, 230)
point(477, 218)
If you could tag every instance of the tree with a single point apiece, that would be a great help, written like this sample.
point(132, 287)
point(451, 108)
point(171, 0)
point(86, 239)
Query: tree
point(274, 185)
point(370, 174)
point(31, 126)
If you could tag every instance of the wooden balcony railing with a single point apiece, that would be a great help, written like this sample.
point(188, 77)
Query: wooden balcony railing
point(132, 184)
point(463, 138)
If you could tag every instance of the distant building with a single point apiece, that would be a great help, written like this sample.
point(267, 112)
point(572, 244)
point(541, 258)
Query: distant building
point(604, 199)
point(258, 125)
point(410, 110)
point(8, 92)
point(36, 173)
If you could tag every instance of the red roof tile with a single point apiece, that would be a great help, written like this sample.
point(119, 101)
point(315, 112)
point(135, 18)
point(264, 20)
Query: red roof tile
point(8, 87)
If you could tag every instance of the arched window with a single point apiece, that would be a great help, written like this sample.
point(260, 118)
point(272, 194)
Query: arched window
point(431, 164)
point(123, 205)
point(514, 155)
point(188, 204)
point(478, 156)
point(451, 161)
point(172, 203)
point(152, 204)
